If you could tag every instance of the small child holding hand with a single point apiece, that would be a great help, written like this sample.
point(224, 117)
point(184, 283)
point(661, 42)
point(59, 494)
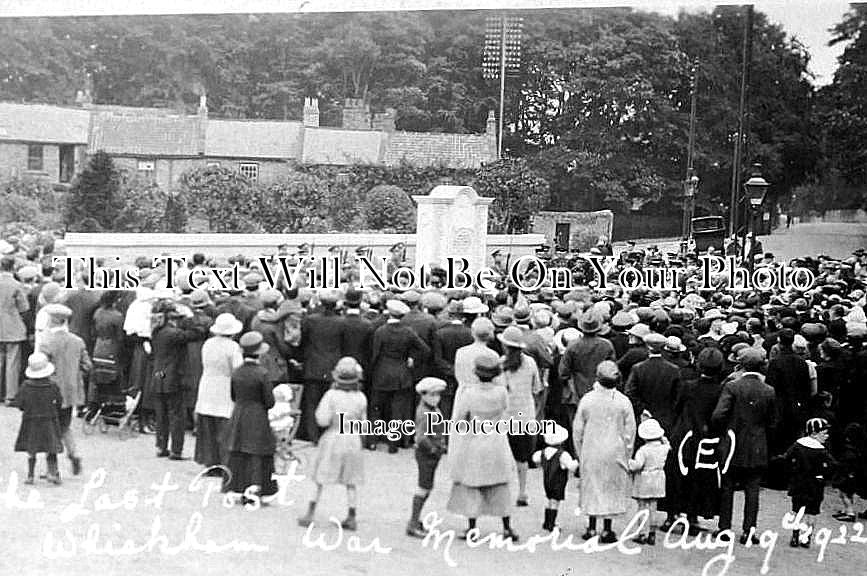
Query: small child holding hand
point(809, 463)
point(648, 483)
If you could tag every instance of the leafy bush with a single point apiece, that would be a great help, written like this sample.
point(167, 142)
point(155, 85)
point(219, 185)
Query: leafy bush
point(389, 207)
point(95, 195)
point(229, 201)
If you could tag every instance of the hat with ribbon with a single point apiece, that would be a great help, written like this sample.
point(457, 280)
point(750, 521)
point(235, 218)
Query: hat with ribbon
point(38, 366)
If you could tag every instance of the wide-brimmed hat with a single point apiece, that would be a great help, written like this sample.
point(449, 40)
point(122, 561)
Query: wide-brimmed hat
point(674, 344)
point(430, 384)
point(226, 325)
point(253, 343)
point(58, 311)
point(557, 436)
point(640, 330)
point(590, 323)
point(271, 297)
point(650, 430)
point(474, 305)
point(199, 298)
point(38, 366)
point(521, 314)
point(503, 316)
point(487, 367)
point(396, 308)
point(513, 337)
point(565, 337)
point(347, 371)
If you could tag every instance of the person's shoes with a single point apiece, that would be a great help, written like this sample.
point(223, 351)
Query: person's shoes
point(522, 502)
point(588, 534)
point(608, 537)
point(794, 542)
point(745, 537)
point(29, 480)
point(651, 539)
point(511, 535)
point(843, 517)
point(162, 453)
point(805, 543)
point(465, 535)
point(694, 530)
point(305, 520)
point(177, 457)
point(666, 526)
point(76, 465)
point(349, 524)
point(640, 539)
point(415, 531)
point(55, 479)
point(392, 449)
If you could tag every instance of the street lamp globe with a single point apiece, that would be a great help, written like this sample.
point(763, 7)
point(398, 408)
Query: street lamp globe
point(756, 187)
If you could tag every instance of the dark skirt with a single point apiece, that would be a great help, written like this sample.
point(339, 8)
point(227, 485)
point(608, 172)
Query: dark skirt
point(249, 469)
point(38, 435)
point(211, 440)
point(522, 446)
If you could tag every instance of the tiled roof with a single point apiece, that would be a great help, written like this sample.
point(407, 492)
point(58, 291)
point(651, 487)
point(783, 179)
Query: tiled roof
point(425, 149)
point(253, 139)
point(145, 135)
point(341, 147)
point(43, 123)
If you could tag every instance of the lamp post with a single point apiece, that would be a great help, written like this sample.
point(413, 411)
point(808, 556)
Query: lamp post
point(755, 190)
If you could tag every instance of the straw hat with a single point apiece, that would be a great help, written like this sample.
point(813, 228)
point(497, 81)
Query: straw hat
point(513, 337)
point(503, 316)
point(38, 366)
point(674, 344)
point(199, 298)
point(226, 325)
point(650, 430)
point(558, 436)
point(474, 305)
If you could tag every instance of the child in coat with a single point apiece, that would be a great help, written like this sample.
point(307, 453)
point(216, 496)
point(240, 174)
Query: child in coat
point(556, 464)
point(809, 463)
point(648, 483)
point(39, 401)
point(850, 473)
point(339, 459)
point(430, 445)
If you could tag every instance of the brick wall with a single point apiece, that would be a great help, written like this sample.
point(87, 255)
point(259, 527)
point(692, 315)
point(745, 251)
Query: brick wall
point(13, 161)
point(425, 149)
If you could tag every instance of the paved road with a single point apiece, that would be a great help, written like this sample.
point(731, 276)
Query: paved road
point(834, 239)
point(133, 471)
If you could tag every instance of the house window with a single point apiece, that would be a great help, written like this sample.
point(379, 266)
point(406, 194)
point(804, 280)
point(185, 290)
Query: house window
point(34, 157)
point(249, 170)
point(147, 169)
point(67, 163)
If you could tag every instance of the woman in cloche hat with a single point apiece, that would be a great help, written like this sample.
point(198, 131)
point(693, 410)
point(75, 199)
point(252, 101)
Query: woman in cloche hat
point(249, 439)
point(39, 400)
point(339, 458)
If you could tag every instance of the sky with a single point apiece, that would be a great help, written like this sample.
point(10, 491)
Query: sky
point(808, 20)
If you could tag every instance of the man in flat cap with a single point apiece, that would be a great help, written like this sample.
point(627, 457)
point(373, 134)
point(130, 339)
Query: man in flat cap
point(748, 409)
point(447, 340)
point(68, 353)
point(424, 324)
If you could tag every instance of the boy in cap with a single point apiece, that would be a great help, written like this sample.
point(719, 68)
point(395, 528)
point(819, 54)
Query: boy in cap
point(430, 445)
point(556, 463)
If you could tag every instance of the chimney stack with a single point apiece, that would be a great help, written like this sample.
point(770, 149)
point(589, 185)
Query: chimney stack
point(311, 112)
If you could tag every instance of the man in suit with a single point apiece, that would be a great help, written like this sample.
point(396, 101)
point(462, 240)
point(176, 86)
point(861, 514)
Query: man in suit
point(747, 408)
point(357, 339)
point(83, 303)
point(653, 384)
point(13, 303)
point(579, 362)
point(169, 349)
point(447, 339)
point(321, 346)
point(424, 325)
point(394, 346)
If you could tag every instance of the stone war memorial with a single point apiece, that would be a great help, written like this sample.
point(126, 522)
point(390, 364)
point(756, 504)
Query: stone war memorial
point(452, 221)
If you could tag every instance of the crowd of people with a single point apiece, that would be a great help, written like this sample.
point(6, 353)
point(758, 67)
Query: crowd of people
point(675, 399)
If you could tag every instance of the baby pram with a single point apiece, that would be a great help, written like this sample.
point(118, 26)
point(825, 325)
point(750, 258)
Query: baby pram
point(285, 423)
point(113, 405)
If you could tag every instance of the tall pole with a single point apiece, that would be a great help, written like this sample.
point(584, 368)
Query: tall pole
point(690, 156)
point(502, 82)
point(738, 153)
